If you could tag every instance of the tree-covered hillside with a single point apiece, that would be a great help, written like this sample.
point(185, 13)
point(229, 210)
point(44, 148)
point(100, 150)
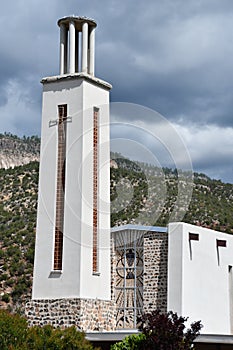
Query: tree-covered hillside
point(18, 202)
point(152, 196)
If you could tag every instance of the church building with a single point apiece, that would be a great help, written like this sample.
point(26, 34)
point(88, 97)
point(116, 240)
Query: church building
point(86, 274)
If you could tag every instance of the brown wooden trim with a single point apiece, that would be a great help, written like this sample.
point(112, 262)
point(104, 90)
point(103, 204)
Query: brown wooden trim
point(221, 242)
point(193, 236)
point(60, 193)
point(95, 189)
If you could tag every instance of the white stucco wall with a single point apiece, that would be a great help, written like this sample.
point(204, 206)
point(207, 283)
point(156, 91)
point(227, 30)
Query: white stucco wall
point(76, 279)
point(199, 281)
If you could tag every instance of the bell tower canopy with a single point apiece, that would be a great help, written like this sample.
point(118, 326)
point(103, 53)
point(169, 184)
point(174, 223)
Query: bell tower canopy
point(79, 20)
point(77, 43)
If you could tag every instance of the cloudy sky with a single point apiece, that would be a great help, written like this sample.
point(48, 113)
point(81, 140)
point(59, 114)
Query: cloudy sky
point(172, 56)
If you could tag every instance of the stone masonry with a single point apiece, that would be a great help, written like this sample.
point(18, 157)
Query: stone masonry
point(155, 271)
point(85, 314)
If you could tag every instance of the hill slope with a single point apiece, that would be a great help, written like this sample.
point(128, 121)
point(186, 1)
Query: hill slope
point(15, 151)
point(140, 193)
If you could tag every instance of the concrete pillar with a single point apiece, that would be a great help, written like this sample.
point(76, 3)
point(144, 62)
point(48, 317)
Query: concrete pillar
point(72, 47)
point(63, 49)
point(76, 51)
point(84, 47)
point(92, 52)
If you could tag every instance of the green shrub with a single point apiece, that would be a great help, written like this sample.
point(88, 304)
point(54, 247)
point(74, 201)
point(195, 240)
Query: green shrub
point(131, 342)
point(6, 298)
point(9, 282)
point(13, 331)
point(19, 289)
point(3, 277)
point(2, 254)
point(29, 255)
point(56, 339)
point(15, 335)
point(71, 339)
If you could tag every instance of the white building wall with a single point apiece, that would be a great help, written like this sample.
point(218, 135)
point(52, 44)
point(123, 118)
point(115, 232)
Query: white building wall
point(199, 278)
point(96, 285)
point(76, 279)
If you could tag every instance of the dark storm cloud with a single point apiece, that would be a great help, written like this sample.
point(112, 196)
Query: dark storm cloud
point(174, 57)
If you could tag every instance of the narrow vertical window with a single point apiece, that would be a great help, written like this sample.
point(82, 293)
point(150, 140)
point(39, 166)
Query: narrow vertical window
point(60, 194)
point(95, 188)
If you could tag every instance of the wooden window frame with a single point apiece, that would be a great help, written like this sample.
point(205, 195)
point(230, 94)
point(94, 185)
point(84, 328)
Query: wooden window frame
point(95, 252)
point(60, 191)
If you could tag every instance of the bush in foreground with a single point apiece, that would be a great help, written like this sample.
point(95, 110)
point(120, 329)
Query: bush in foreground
point(132, 342)
point(56, 339)
point(16, 335)
point(13, 331)
point(162, 331)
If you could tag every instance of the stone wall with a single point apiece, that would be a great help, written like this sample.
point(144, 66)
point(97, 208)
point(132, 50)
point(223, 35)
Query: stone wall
point(85, 314)
point(113, 269)
point(155, 271)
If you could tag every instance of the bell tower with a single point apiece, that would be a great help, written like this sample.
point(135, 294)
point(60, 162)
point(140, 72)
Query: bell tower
point(72, 254)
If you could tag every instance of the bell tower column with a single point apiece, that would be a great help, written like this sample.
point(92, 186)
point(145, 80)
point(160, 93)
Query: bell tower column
point(72, 46)
point(72, 255)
